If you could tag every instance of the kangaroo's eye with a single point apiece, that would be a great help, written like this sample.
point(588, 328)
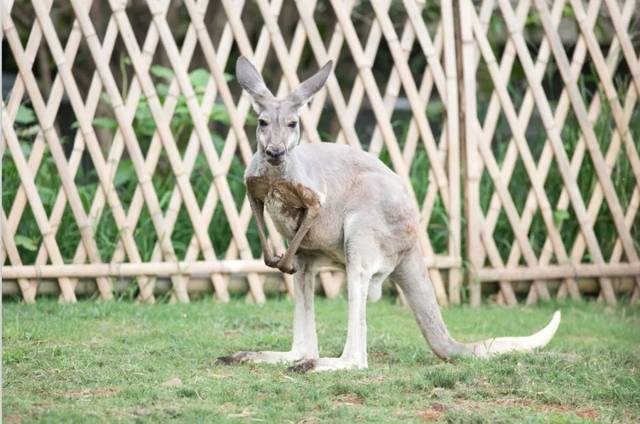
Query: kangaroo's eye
point(292, 124)
point(262, 122)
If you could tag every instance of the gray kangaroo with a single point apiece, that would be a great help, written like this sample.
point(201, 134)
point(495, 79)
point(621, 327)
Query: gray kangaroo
point(341, 208)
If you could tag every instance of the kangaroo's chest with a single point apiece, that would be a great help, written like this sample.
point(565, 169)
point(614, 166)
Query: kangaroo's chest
point(285, 201)
point(285, 216)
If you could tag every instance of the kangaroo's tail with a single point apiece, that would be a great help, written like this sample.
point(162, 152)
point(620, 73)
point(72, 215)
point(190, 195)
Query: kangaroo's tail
point(517, 344)
point(410, 275)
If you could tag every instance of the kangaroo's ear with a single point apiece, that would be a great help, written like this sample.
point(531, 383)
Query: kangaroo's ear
point(305, 91)
point(251, 81)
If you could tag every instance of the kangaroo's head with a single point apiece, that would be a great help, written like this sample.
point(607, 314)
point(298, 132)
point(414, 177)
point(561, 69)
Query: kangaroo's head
point(278, 129)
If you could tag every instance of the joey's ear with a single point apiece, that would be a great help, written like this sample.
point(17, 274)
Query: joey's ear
point(305, 91)
point(250, 80)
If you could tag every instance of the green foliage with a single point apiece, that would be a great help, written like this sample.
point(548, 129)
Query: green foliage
point(181, 123)
point(118, 361)
point(25, 115)
point(28, 237)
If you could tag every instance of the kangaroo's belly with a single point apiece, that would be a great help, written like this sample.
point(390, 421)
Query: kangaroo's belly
point(285, 216)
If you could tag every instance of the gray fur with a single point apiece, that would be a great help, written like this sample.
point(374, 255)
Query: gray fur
point(340, 207)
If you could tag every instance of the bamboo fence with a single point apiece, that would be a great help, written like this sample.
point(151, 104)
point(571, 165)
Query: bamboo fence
point(460, 55)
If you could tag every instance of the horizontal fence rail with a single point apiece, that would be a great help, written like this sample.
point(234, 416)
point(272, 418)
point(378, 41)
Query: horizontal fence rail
point(125, 138)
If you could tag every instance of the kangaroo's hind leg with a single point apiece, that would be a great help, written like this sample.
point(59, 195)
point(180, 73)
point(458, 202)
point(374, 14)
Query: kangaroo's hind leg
point(305, 341)
point(363, 260)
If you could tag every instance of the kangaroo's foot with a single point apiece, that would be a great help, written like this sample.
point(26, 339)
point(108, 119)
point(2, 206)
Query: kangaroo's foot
point(325, 364)
point(261, 357)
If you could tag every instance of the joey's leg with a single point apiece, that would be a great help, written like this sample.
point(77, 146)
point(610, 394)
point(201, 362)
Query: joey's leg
point(309, 216)
point(305, 341)
point(257, 207)
point(354, 354)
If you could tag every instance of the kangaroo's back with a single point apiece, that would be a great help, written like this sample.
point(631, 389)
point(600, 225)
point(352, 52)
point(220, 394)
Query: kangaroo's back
point(333, 157)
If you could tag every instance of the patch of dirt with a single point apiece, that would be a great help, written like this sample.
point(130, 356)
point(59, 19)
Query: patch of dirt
point(373, 379)
point(142, 411)
point(309, 420)
point(569, 356)
point(42, 405)
point(225, 407)
point(174, 382)
point(380, 355)
point(219, 376)
point(11, 418)
point(89, 393)
point(433, 413)
point(586, 413)
point(349, 399)
point(519, 403)
point(245, 414)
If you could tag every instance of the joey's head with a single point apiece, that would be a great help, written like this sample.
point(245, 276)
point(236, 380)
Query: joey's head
point(278, 129)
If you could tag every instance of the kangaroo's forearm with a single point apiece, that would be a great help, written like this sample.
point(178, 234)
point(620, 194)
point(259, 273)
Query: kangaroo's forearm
point(308, 218)
point(258, 211)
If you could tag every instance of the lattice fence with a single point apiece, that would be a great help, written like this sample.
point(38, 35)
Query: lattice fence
point(144, 180)
point(558, 134)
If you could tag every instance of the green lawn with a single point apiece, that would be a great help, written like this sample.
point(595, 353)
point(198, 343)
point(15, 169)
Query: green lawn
point(125, 362)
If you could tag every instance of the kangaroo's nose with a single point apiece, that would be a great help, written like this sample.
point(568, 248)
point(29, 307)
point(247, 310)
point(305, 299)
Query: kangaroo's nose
point(275, 152)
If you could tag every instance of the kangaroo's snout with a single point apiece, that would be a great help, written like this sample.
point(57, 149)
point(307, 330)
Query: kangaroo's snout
point(274, 154)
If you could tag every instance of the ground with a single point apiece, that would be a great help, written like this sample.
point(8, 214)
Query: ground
point(120, 361)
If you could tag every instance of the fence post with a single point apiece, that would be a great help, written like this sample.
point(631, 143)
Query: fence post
point(453, 152)
point(470, 171)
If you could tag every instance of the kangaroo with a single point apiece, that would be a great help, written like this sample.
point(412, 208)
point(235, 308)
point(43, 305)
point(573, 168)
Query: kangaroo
point(341, 207)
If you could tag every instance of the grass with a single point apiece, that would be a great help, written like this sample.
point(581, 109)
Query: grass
point(124, 362)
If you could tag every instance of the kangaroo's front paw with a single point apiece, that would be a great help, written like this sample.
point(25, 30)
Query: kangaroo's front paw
point(286, 267)
point(273, 261)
